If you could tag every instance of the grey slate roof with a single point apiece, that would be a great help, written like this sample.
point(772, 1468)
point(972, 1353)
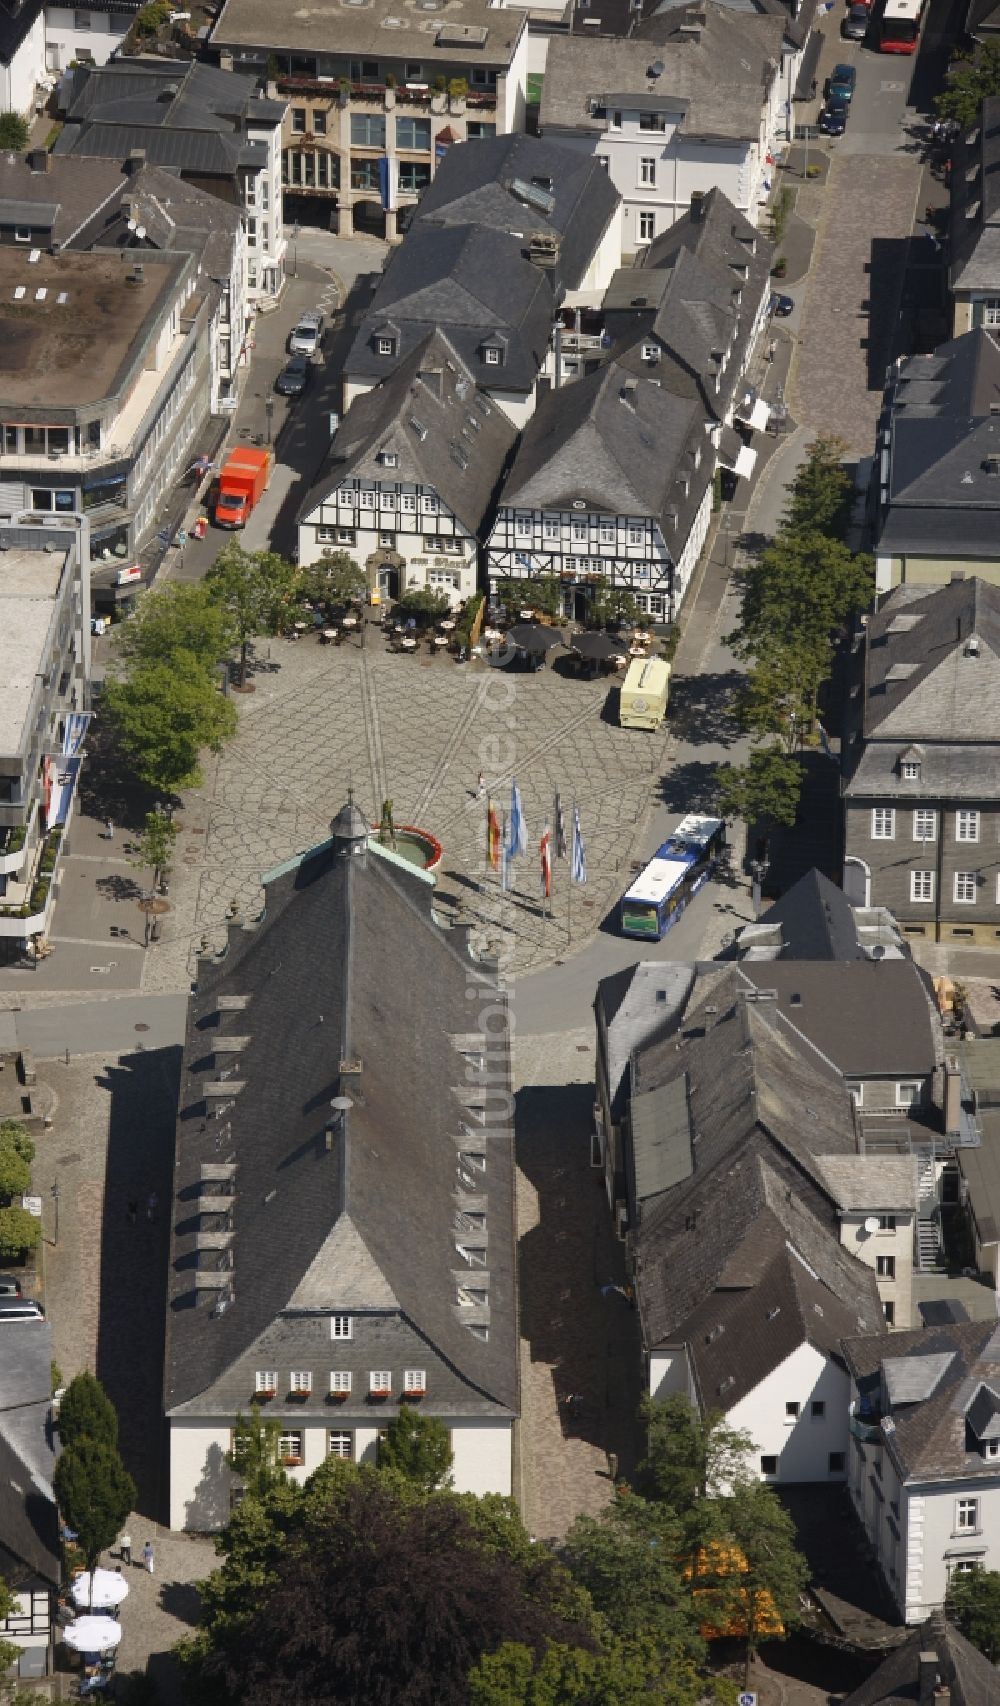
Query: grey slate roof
point(764, 1108)
point(473, 186)
point(961, 1667)
point(816, 920)
point(191, 117)
point(347, 985)
point(877, 1184)
point(68, 192)
point(646, 999)
point(466, 444)
point(623, 445)
point(471, 282)
point(975, 203)
point(174, 214)
point(659, 1152)
point(928, 1438)
point(942, 433)
point(715, 85)
point(929, 635)
point(872, 1018)
point(29, 1528)
point(980, 1169)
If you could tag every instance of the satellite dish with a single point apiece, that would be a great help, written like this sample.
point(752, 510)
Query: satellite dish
point(131, 224)
point(871, 1224)
point(140, 231)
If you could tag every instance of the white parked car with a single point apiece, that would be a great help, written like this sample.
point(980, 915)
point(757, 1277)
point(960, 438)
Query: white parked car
point(306, 338)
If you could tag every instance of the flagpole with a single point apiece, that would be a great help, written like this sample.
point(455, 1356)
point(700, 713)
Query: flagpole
point(569, 909)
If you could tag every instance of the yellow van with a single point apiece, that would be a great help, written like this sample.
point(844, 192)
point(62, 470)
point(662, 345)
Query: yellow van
point(643, 703)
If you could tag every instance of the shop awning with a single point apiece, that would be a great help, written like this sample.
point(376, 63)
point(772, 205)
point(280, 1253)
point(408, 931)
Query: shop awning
point(758, 416)
point(729, 447)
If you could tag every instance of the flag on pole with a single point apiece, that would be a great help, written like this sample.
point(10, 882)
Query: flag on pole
point(545, 851)
point(579, 868)
point(505, 854)
point(560, 835)
point(493, 837)
point(518, 834)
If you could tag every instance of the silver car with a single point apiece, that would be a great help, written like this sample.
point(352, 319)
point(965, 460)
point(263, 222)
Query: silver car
point(305, 339)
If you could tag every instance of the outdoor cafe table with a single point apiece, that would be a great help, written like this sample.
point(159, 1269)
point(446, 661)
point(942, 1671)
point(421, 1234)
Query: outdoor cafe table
point(492, 634)
point(448, 626)
point(350, 621)
point(408, 645)
point(440, 639)
point(329, 633)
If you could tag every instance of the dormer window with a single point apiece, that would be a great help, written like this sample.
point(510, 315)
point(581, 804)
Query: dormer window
point(388, 459)
point(991, 1447)
point(385, 346)
point(492, 355)
point(909, 768)
point(650, 352)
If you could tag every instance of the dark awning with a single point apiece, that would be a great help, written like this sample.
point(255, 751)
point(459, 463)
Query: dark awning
point(808, 68)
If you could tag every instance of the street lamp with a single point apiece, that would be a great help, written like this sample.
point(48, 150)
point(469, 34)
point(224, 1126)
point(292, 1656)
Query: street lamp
point(55, 1199)
point(295, 250)
point(758, 871)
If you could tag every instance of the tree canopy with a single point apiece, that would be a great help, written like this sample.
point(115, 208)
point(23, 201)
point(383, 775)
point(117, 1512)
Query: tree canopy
point(256, 590)
point(973, 1604)
point(165, 715)
point(95, 1493)
point(179, 617)
point(690, 1456)
point(86, 1412)
point(14, 133)
point(419, 1447)
point(766, 789)
point(335, 579)
point(971, 80)
point(255, 1454)
point(156, 844)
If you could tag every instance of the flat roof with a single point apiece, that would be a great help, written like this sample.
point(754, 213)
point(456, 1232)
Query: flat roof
point(29, 586)
point(68, 353)
point(451, 30)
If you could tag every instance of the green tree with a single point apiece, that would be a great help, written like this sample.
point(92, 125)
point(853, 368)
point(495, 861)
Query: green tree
point(418, 1447)
point(544, 594)
point(165, 715)
point(806, 585)
point(776, 1573)
point(971, 80)
point(777, 697)
point(612, 604)
point(766, 789)
point(95, 1493)
point(15, 1174)
point(820, 495)
point(335, 579)
point(14, 1135)
point(690, 1456)
point(156, 845)
point(256, 589)
point(20, 1232)
point(630, 1562)
point(254, 1455)
point(973, 1604)
point(621, 1673)
point(179, 617)
point(86, 1412)
point(422, 601)
point(8, 1607)
point(13, 132)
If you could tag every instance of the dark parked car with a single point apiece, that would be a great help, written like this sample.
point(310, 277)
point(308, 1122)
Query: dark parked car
point(840, 83)
point(294, 376)
point(781, 306)
point(854, 24)
point(833, 118)
point(10, 1285)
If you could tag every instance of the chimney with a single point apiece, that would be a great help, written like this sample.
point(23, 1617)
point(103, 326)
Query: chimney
point(927, 1677)
point(39, 160)
point(697, 206)
point(135, 161)
point(952, 1094)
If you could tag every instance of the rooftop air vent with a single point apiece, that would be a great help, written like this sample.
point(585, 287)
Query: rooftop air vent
point(655, 70)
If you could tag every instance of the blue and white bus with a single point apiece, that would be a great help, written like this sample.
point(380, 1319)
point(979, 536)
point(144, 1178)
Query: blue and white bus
point(675, 873)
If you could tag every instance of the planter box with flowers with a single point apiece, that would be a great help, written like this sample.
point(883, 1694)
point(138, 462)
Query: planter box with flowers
point(292, 1462)
point(264, 1392)
point(413, 1394)
point(379, 1393)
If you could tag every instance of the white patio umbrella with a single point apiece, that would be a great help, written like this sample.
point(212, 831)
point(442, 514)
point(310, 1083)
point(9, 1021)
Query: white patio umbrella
point(92, 1634)
point(107, 1590)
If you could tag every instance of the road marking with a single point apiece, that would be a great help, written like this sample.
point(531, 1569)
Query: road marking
point(92, 942)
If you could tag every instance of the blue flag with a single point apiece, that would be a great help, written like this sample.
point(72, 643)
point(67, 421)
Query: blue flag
point(579, 866)
point(518, 829)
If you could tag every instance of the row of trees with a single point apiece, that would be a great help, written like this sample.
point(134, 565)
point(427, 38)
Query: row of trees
point(20, 1232)
point(797, 596)
point(371, 1584)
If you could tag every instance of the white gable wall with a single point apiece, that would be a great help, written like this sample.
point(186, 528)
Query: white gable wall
point(801, 1444)
point(70, 32)
point(20, 79)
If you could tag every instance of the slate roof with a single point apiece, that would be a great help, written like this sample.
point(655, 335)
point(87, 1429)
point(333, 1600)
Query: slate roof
point(928, 1437)
point(470, 282)
point(961, 1667)
point(191, 117)
point(765, 1107)
point(980, 1169)
point(975, 203)
point(644, 1000)
point(29, 1528)
point(928, 636)
point(348, 986)
point(466, 440)
point(15, 24)
point(174, 214)
point(816, 920)
point(877, 1184)
point(621, 444)
point(872, 1018)
point(715, 85)
point(472, 186)
point(942, 433)
point(68, 192)
point(697, 293)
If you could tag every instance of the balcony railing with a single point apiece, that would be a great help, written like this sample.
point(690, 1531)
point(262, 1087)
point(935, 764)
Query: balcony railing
point(412, 95)
point(869, 1433)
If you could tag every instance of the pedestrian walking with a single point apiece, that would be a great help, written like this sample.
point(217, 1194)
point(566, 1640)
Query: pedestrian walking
point(481, 786)
point(133, 1210)
point(813, 88)
point(152, 1204)
point(125, 1548)
point(147, 1556)
point(772, 350)
point(110, 831)
point(612, 1457)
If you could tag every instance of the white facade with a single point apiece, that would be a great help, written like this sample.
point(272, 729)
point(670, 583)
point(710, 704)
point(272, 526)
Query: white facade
point(889, 1252)
point(266, 240)
point(363, 517)
point(82, 35)
point(797, 1417)
point(201, 1484)
point(19, 81)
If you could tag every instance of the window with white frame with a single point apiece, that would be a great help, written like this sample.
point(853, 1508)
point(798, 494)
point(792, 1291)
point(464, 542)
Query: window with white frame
point(550, 526)
point(966, 1515)
point(636, 533)
point(266, 1380)
point(340, 1380)
point(606, 532)
point(301, 1380)
point(380, 1380)
point(290, 1447)
point(388, 459)
point(967, 826)
point(647, 227)
point(340, 1443)
point(491, 355)
point(429, 505)
point(341, 1327)
point(581, 530)
point(522, 526)
point(921, 885)
point(885, 1267)
point(883, 823)
point(366, 500)
point(909, 769)
point(407, 501)
point(887, 1223)
point(415, 1380)
point(965, 887)
point(991, 1447)
point(647, 170)
point(924, 824)
point(991, 311)
point(385, 346)
point(907, 1093)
